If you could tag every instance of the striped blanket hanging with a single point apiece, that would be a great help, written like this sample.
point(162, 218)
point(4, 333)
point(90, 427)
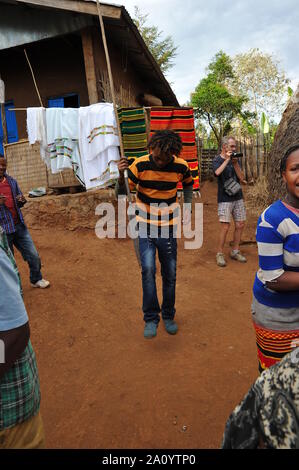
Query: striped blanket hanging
point(180, 120)
point(133, 130)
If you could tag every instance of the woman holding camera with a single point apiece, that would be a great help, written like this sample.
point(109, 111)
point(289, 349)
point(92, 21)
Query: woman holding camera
point(275, 307)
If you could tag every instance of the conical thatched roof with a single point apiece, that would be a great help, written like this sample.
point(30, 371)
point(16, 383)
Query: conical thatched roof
point(286, 135)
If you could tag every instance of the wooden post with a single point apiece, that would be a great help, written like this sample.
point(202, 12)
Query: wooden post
point(245, 159)
point(88, 52)
point(34, 81)
point(122, 152)
point(110, 76)
point(257, 154)
point(147, 123)
point(121, 145)
point(251, 158)
point(3, 120)
point(268, 152)
point(199, 159)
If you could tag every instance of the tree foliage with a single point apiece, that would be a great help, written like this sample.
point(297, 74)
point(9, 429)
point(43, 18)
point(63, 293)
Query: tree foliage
point(163, 50)
point(259, 77)
point(221, 68)
point(212, 100)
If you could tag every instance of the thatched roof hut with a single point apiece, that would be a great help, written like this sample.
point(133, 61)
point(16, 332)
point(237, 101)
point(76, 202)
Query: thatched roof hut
point(286, 135)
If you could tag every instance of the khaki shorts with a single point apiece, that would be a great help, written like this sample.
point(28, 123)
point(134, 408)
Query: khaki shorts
point(27, 435)
point(228, 209)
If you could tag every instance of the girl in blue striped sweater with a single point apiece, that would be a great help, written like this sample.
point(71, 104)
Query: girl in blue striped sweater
point(275, 306)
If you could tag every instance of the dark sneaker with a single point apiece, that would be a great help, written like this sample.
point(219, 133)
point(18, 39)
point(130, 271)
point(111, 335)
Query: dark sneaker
point(171, 327)
point(150, 329)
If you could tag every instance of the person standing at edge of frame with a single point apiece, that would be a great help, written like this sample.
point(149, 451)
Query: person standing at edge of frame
point(12, 222)
point(21, 425)
point(230, 199)
point(156, 177)
point(275, 305)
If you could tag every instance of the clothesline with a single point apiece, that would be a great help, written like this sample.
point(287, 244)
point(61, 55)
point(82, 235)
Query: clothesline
point(82, 139)
point(144, 107)
point(66, 144)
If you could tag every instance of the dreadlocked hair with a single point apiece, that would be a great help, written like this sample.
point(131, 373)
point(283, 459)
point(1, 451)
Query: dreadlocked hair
point(283, 163)
point(167, 141)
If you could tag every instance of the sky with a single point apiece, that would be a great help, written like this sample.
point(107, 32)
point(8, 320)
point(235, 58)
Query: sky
point(200, 28)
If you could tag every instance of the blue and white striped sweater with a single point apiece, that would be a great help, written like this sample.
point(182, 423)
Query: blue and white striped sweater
point(277, 237)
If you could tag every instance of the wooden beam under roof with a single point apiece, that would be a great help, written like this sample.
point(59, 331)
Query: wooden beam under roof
point(78, 6)
point(90, 72)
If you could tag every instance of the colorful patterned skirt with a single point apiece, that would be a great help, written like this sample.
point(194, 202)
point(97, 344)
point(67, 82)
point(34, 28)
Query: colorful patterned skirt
point(272, 345)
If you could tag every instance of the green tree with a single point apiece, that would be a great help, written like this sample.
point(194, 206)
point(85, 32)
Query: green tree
point(163, 50)
point(259, 77)
point(213, 102)
point(221, 68)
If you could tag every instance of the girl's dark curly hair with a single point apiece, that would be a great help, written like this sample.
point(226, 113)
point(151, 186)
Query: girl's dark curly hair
point(283, 163)
point(167, 141)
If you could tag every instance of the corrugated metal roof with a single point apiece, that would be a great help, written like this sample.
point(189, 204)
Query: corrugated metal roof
point(119, 27)
point(19, 26)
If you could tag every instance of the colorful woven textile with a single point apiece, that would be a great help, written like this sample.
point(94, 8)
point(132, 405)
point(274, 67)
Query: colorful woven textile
point(272, 345)
point(180, 120)
point(133, 130)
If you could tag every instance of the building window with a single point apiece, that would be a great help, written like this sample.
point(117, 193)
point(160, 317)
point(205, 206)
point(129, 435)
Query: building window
point(71, 100)
point(11, 125)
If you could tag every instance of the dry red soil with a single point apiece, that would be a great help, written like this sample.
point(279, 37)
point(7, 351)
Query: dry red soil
point(105, 386)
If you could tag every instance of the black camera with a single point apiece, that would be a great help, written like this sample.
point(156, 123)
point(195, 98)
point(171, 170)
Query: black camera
point(236, 155)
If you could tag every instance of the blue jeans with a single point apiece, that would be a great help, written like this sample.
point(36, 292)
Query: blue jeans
point(167, 252)
point(22, 240)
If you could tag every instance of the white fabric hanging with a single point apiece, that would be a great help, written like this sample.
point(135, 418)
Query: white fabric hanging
point(2, 92)
point(84, 139)
point(62, 136)
point(37, 132)
point(102, 170)
point(97, 129)
point(98, 143)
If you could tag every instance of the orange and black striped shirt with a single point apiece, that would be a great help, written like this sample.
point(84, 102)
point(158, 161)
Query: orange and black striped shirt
point(157, 202)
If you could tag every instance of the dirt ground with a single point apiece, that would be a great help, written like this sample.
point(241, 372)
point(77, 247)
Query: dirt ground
point(105, 386)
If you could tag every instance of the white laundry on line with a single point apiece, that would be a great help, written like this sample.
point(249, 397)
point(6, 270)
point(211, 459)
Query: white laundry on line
point(98, 143)
point(62, 136)
point(36, 129)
